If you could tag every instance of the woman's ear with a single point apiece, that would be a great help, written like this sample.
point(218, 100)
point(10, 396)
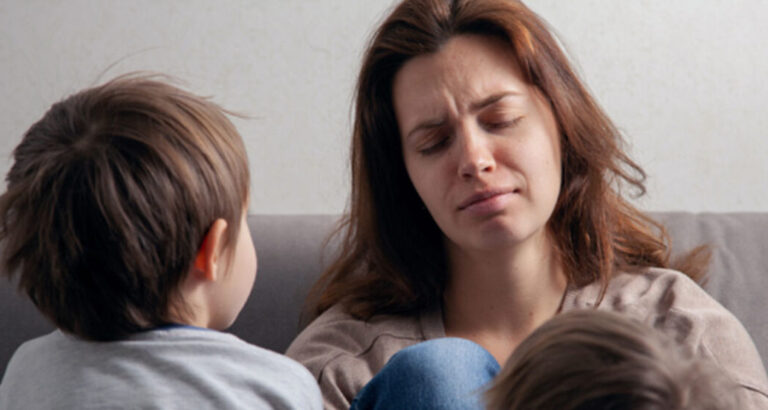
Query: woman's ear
point(208, 256)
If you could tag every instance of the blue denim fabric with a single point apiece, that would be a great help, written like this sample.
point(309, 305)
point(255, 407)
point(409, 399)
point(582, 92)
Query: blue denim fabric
point(446, 374)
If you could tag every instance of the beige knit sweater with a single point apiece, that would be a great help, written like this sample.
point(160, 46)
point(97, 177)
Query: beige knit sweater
point(344, 353)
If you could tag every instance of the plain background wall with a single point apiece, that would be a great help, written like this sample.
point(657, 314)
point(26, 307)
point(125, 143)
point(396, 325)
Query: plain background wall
point(685, 80)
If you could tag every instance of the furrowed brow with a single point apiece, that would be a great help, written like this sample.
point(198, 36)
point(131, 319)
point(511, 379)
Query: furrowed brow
point(426, 125)
point(476, 106)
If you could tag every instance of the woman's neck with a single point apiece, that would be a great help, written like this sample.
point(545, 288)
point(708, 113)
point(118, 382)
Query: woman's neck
point(496, 298)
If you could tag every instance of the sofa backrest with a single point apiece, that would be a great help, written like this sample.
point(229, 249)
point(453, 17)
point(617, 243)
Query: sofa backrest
point(291, 256)
point(738, 272)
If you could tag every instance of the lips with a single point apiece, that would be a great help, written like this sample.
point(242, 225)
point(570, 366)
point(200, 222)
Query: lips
point(483, 196)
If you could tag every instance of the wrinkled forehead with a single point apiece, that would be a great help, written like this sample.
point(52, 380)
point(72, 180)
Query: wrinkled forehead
point(466, 71)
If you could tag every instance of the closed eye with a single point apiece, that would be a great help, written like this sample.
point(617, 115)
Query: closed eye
point(501, 125)
point(436, 144)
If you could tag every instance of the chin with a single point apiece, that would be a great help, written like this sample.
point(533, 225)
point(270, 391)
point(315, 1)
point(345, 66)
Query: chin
point(499, 235)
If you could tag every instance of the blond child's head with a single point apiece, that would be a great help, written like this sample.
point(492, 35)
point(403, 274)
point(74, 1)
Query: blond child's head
point(119, 199)
point(589, 359)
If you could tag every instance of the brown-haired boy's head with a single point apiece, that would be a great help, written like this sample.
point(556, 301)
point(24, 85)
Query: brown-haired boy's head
point(110, 200)
point(582, 360)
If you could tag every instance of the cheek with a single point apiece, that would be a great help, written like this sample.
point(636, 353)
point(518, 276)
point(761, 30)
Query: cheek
point(246, 252)
point(556, 162)
point(424, 179)
point(550, 175)
point(548, 135)
point(540, 163)
point(251, 261)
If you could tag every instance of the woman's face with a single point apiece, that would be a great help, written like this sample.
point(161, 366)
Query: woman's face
point(480, 145)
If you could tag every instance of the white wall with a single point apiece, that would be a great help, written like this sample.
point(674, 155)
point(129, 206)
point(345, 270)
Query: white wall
point(687, 82)
point(684, 79)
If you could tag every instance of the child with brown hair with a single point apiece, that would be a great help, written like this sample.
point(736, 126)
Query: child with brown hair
point(124, 221)
point(590, 359)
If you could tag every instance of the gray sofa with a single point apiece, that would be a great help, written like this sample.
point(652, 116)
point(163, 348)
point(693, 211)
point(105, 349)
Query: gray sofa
point(291, 254)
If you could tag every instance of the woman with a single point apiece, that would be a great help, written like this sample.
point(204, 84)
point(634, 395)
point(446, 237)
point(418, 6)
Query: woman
point(486, 198)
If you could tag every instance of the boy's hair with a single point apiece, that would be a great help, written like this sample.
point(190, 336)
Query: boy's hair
point(591, 359)
point(109, 198)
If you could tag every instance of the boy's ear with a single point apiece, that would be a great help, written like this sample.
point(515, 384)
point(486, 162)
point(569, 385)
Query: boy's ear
point(207, 259)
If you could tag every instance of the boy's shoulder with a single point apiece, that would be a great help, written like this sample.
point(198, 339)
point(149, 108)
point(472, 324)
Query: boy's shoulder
point(164, 368)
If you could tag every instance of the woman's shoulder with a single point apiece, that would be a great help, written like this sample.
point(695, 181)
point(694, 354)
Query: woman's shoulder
point(666, 299)
point(673, 303)
point(343, 352)
point(646, 292)
point(626, 288)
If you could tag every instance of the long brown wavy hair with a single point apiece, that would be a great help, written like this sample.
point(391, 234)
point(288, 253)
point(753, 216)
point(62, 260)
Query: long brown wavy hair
point(392, 258)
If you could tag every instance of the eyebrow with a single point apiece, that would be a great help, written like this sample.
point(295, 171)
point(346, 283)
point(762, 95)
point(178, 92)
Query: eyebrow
point(492, 99)
point(425, 125)
point(475, 106)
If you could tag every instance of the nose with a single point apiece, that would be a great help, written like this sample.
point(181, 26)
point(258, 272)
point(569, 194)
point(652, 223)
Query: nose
point(475, 156)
